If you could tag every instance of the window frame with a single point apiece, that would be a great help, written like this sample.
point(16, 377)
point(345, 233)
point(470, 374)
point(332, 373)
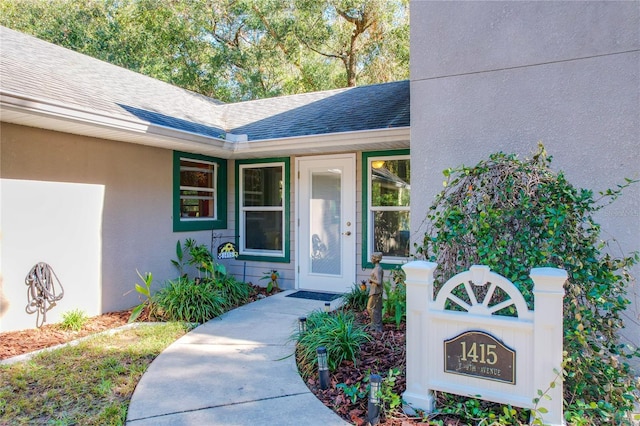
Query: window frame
point(219, 195)
point(282, 256)
point(367, 212)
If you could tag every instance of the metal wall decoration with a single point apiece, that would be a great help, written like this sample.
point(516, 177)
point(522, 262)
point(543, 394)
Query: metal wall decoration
point(227, 251)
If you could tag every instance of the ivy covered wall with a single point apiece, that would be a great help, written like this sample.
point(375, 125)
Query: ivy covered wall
point(502, 76)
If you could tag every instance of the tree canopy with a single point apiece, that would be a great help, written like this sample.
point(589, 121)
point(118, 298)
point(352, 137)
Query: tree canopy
point(231, 50)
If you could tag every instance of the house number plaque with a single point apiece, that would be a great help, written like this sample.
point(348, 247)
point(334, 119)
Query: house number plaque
point(479, 354)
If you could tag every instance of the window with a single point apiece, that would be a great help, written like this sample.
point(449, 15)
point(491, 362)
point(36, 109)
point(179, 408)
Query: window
point(199, 192)
point(262, 198)
point(386, 191)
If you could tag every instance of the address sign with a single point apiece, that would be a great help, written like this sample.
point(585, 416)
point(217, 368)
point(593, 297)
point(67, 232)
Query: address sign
point(478, 354)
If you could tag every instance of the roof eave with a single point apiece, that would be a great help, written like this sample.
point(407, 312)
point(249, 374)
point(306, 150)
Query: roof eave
point(361, 140)
point(50, 115)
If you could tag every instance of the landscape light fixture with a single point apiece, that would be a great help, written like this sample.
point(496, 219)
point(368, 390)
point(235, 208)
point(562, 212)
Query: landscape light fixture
point(323, 367)
point(302, 325)
point(327, 307)
point(373, 408)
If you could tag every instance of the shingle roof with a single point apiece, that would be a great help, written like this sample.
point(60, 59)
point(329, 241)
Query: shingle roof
point(31, 67)
point(377, 106)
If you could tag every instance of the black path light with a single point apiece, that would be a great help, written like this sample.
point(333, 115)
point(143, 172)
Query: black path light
point(323, 367)
point(373, 408)
point(302, 325)
point(327, 307)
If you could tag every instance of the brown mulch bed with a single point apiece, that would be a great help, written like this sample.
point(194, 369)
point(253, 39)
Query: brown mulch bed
point(14, 343)
point(385, 352)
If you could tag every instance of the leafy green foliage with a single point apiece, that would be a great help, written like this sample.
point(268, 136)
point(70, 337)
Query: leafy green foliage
point(203, 260)
point(194, 300)
point(513, 215)
point(273, 277)
point(356, 299)
point(184, 300)
point(179, 261)
point(354, 392)
point(338, 331)
point(538, 411)
point(74, 320)
point(389, 400)
point(145, 295)
point(368, 38)
point(394, 306)
point(234, 292)
point(476, 411)
point(231, 50)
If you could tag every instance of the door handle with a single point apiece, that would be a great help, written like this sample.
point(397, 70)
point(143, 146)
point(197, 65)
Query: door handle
point(347, 233)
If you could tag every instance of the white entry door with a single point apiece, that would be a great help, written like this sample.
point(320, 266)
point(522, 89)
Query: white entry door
point(326, 232)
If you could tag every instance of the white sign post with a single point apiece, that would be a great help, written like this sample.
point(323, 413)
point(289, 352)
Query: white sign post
point(461, 342)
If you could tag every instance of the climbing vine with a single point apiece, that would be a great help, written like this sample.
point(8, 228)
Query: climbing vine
point(513, 215)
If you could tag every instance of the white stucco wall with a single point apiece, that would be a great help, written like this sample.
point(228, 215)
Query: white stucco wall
point(501, 76)
point(56, 223)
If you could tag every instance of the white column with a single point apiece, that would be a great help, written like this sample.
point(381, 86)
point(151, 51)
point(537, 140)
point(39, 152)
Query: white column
point(419, 284)
point(548, 293)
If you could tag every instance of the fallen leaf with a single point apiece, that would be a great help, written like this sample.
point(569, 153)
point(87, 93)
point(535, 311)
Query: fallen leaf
point(354, 415)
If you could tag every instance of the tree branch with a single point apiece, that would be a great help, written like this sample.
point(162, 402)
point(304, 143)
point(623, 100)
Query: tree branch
point(327, 55)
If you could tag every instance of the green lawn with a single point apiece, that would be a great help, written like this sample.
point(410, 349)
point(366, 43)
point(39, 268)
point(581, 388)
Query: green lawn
point(87, 384)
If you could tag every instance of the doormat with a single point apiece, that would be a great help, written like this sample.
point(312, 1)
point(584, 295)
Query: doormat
point(315, 295)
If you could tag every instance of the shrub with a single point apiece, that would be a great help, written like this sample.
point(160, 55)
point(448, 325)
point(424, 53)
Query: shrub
point(513, 215)
point(200, 299)
point(74, 320)
point(338, 331)
point(394, 306)
point(234, 292)
point(199, 257)
point(356, 299)
point(184, 300)
point(145, 295)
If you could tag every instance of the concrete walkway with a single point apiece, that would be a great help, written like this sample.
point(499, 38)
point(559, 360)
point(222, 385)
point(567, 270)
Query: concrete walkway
point(237, 369)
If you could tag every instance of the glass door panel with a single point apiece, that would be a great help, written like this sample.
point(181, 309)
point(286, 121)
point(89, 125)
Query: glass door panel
point(326, 217)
